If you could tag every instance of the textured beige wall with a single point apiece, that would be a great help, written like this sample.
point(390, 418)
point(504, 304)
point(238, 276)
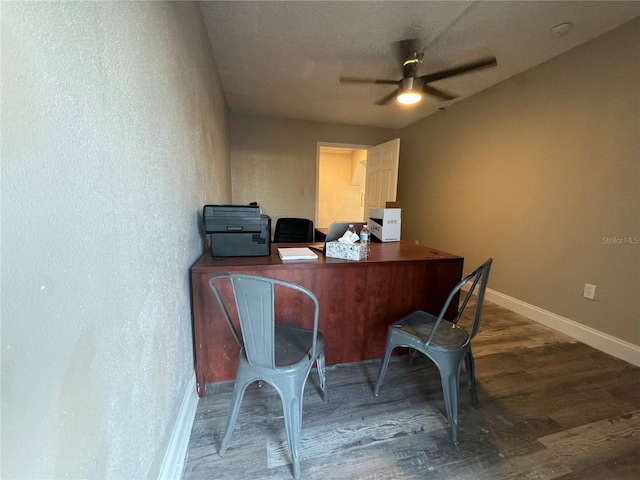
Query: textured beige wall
point(273, 160)
point(114, 134)
point(542, 173)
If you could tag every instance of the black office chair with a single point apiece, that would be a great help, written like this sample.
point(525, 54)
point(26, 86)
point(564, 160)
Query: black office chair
point(293, 230)
point(445, 342)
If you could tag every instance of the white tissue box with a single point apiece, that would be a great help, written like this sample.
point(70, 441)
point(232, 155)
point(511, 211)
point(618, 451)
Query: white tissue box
point(347, 251)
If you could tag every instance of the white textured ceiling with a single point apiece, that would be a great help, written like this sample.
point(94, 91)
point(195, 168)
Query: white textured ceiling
point(284, 59)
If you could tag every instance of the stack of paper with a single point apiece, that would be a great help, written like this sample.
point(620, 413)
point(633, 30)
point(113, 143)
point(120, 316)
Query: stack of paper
point(300, 253)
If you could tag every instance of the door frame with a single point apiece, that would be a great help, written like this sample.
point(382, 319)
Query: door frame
point(352, 146)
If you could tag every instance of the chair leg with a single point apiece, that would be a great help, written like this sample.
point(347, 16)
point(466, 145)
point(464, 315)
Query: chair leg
point(471, 375)
point(322, 375)
point(292, 409)
point(383, 367)
point(450, 377)
point(236, 399)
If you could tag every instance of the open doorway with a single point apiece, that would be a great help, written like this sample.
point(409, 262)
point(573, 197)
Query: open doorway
point(352, 179)
point(341, 182)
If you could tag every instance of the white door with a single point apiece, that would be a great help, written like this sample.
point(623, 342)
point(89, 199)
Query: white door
point(382, 175)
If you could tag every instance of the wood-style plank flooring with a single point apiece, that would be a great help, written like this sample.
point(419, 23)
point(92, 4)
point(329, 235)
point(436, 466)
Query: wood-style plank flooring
point(548, 408)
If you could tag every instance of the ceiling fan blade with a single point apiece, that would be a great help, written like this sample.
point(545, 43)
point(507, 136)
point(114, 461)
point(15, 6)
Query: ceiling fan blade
point(437, 92)
point(459, 70)
point(380, 81)
point(388, 98)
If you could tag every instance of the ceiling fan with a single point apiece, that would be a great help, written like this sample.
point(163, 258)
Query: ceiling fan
point(411, 87)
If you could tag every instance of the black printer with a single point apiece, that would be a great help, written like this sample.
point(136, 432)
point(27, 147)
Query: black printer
point(237, 230)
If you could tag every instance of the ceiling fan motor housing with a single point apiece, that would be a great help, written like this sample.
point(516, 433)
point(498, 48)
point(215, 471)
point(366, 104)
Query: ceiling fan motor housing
point(408, 84)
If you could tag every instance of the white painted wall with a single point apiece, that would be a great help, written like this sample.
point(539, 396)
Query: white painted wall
point(114, 134)
point(273, 160)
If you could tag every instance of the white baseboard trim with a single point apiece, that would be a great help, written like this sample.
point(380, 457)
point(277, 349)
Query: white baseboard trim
point(605, 343)
point(175, 456)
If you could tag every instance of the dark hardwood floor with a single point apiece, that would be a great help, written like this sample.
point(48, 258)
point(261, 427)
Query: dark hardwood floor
point(548, 408)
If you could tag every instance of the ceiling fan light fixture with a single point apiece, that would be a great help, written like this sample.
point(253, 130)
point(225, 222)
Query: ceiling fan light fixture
point(409, 97)
point(409, 93)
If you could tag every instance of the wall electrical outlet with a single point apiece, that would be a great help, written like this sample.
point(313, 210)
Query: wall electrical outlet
point(589, 291)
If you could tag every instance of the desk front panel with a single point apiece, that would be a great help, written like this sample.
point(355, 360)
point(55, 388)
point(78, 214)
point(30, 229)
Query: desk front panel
point(358, 300)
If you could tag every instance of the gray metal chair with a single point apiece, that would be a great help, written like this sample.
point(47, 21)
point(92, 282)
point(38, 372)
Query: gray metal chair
point(276, 354)
point(445, 342)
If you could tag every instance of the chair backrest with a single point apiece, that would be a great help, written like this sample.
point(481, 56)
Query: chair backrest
point(292, 230)
point(254, 298)
point(478, 280)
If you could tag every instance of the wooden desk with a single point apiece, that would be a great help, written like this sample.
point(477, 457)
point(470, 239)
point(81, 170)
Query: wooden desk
point(358, 300)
